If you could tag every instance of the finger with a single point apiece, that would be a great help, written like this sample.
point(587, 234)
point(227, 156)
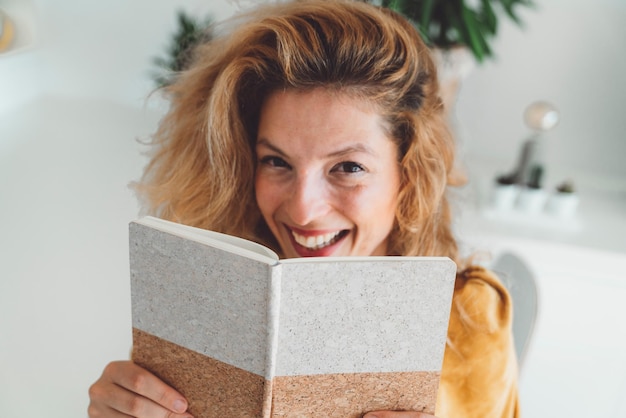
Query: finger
point(130, 404)
point(107, 412)
point(397, 414)
point(97, 410)
point(138, 380)
point(102, 396)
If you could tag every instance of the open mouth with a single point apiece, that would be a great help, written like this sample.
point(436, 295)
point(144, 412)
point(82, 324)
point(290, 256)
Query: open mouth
point(318, 242)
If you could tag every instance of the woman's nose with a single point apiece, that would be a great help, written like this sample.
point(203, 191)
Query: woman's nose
point(308, 201)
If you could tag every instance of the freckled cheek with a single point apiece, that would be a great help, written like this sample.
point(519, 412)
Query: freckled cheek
point(380, 205)
point(357, 205)
point(261, 192)
point(268, 196)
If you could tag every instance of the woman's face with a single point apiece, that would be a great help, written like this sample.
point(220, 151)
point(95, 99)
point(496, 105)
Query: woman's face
point(328, 175)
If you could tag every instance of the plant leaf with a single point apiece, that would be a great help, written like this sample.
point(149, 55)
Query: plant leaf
point(478, 43)
point(427, 12)
point(490, 18)
point(189, 33)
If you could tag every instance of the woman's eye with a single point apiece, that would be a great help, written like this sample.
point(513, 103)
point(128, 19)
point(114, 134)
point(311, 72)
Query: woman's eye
point(349, 167)
point(273, 161)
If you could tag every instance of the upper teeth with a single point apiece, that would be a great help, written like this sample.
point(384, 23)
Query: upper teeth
point(315, 242)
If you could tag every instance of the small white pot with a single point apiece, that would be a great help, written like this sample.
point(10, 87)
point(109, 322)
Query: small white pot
point(563, 205)
point(531, 200)
point(503, 196)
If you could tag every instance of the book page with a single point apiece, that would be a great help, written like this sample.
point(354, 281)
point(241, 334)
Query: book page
point(200, 297)
point(226, 242)
point(376, 314)
point(361, 334)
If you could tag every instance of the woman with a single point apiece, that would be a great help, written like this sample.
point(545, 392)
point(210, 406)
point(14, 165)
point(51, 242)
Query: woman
point(316, 128)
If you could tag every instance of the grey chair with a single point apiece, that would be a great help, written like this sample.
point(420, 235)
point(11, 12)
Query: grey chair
point(521, 284)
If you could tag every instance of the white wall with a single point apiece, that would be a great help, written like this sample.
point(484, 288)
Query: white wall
point(72, 106)
point(572, 54)
point(569, 53)
point(93, 49)
point(71, 109)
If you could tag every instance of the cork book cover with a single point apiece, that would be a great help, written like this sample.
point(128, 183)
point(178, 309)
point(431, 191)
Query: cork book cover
point(242, 333)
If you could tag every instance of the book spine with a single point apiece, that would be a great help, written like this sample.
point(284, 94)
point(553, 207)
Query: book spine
point(273, 314)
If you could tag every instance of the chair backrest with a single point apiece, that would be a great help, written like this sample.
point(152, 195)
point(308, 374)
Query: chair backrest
point(521, 284)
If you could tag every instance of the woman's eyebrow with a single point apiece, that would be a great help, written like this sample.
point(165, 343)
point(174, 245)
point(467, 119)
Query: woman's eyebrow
point(358, 147)
point(349, 149)
point(266, 143)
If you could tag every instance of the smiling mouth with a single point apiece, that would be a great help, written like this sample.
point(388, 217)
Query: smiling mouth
point(317, 242)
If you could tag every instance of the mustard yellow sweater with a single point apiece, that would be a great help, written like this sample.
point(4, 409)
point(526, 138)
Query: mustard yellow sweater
point(479, 375)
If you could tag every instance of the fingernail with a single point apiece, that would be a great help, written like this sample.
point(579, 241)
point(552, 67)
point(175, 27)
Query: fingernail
point(180, 406)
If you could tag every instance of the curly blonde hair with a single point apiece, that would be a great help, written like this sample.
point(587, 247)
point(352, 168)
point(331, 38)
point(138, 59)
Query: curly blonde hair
point(202, 170)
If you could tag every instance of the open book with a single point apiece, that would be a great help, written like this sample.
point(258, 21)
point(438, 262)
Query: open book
point(242, 333)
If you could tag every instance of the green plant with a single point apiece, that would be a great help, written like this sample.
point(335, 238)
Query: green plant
point(566, 186)
point(190, 32)
point(448, 23)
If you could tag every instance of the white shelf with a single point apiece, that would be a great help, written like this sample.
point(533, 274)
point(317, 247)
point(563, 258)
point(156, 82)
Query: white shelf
point(599, 222)
point(24, 17)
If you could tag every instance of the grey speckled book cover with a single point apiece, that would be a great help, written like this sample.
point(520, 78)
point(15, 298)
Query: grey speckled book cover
point(243, 334)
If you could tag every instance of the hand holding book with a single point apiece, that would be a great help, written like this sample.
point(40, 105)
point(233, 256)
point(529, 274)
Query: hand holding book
point(136, 392)
point(156, 399)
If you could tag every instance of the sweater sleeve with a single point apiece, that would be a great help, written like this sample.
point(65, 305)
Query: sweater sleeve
point(479, 374)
